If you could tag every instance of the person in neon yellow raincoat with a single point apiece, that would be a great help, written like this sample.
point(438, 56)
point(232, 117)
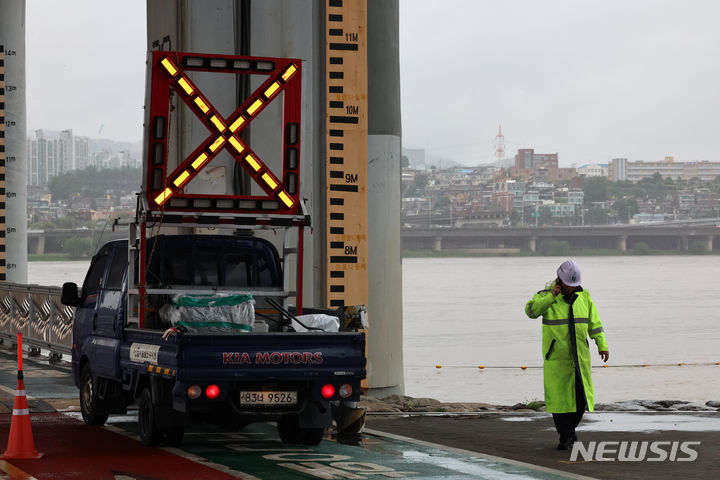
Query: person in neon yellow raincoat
point(568, 317)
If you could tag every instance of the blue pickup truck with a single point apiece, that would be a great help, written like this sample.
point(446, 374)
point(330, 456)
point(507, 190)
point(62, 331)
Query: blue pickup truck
point(178, 377)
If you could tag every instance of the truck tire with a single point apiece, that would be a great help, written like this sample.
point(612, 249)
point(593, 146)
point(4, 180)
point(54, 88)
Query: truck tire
point(291, 432)
point(150, 433)
point(91, 407)
point(289, 429)
point(174, 436)
point(311, 436)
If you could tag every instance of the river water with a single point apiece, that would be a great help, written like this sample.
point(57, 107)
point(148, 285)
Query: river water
point(464, 312)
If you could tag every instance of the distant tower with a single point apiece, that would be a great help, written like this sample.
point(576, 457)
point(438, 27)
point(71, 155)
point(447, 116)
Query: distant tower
point(499, 145)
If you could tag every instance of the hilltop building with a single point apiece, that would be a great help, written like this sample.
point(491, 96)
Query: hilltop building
point(622, 169)
point(539, 166)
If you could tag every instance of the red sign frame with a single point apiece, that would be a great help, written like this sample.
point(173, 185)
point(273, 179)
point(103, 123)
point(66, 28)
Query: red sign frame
point(164, 188)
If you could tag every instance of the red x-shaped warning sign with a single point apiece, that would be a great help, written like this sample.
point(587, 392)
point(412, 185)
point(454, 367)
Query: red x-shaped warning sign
point(165, 191)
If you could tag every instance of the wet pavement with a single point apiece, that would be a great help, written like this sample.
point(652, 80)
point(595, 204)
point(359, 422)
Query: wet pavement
point(73, 450)
point(531, 438)
point(427, 446)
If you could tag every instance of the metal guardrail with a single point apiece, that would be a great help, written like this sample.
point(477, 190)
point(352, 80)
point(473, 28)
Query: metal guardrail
point(36, 312)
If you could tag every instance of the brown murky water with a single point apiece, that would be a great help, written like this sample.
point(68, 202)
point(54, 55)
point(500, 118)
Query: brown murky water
point(465, 312)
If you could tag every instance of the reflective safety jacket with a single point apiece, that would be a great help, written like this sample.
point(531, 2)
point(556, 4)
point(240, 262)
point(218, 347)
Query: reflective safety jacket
point(563, 356)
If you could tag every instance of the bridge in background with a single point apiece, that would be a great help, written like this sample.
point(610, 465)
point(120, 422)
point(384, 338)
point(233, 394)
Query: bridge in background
point(678, 236)
point(51, 241)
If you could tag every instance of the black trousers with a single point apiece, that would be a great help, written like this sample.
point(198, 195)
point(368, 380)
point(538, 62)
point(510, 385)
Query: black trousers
point(565, 423)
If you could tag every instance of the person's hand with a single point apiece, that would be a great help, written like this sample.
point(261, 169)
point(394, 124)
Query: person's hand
point(556, 290)
point(605, 355)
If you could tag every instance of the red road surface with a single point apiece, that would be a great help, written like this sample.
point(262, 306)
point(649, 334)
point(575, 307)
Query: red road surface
point(73, 450)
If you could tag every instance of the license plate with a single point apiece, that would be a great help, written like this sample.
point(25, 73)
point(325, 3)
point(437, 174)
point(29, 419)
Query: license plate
point(268, 398)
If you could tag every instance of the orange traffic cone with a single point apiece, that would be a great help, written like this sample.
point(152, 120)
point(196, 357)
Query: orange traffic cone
point(20, 442)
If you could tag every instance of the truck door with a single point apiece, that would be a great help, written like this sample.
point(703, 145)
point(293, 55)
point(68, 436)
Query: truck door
point(110, 316)
point(85, 316)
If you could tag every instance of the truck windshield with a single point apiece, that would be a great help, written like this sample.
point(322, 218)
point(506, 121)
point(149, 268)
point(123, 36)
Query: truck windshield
point(215, 263)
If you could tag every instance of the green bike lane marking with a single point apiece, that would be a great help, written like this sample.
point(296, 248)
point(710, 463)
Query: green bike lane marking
point(258, 453)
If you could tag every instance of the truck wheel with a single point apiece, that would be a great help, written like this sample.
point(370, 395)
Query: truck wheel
point(150, 434)
point(311, 436)
point(90, 405)
point(174, 436)
point(289, 429)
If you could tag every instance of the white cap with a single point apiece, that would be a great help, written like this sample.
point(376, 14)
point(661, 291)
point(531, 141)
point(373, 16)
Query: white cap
point(569, 273)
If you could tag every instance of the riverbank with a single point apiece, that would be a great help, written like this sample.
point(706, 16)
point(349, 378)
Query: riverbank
point(406, 404)
point(50, 257)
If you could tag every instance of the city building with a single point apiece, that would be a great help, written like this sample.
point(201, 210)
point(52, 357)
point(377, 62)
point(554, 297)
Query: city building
point(527, 158)
point(66, 153)
point(593, 170)
point(539, 166)
point(576, 197)
point(561, 209)
point(51, 153)
point(622, 169)
point(617, 169)
point(81, 152)
point(42, 162)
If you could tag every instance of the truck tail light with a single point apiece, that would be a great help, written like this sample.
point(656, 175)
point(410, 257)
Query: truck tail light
point(345, 390)
point(194, 391)
point(327, 391)
point(212, 391)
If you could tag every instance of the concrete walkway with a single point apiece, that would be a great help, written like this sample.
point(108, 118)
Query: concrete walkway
point(531, 438)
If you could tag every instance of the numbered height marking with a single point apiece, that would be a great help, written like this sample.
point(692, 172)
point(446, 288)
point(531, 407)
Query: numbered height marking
point(346, 146)
point(3, 267)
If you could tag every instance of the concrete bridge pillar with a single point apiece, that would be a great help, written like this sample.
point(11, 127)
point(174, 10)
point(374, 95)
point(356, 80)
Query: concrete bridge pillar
point(684, 243)
point(531, 243)
point(709, 243)
point(622, 243)
point(437, 244)
point(36, 244)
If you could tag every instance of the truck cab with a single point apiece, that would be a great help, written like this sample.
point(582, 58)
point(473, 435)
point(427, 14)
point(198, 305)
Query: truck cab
point(179, 377)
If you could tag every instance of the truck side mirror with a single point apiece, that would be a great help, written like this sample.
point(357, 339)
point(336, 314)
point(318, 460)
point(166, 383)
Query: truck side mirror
point(69, 295)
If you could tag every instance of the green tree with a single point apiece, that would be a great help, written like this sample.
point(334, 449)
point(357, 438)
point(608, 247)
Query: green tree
point(697, 247)
point(95, 183)
point(554, 248)
point(64, 187)
point(421, 180)
point(595, 190)
point(78, 248)
point(441, 203)
point(545, 216)
point(596, 216)
point(641, 248)
point(626, 208)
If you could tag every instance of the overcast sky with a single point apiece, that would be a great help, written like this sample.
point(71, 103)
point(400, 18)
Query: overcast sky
point(591, 80)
